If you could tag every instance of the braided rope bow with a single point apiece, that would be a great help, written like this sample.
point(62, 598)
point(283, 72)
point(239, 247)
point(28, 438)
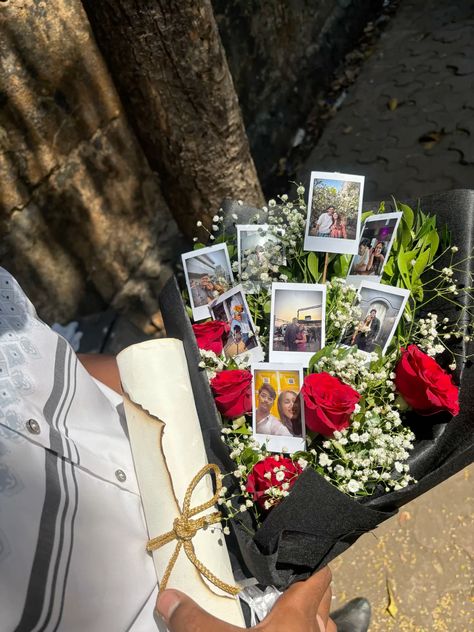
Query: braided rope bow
point(185, 528)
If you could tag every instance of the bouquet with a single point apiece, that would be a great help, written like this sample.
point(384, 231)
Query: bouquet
point(326, 356)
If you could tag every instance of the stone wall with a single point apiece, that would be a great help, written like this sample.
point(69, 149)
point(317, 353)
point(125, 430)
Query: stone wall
point(82, 219)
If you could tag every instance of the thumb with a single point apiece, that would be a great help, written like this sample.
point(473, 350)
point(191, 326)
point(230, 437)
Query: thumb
point(182, 614)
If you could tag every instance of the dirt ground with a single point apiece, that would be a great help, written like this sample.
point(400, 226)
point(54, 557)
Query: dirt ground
point(420, 561)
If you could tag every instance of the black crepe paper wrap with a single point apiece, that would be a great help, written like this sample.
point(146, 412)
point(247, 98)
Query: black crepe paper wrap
point(317, 522)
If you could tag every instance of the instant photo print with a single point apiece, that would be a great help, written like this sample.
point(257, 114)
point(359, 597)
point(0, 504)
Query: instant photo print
point(208, 274)
point(375, 244)
point(382, 307)
point(232, 308)
point(254, 245)
point(334, 212)
point(297, 322)
point(278, 413)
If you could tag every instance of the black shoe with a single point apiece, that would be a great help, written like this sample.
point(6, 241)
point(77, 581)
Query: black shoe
point(353, 617)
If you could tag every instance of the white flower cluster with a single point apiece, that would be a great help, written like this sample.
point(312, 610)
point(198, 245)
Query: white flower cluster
point(426, 335)
point(211, 362)
point(214, 363)
point(354, 368)
point(374, 449)
point(287, 220)
point(238, 443)
point(342, 312)
point(260, 265)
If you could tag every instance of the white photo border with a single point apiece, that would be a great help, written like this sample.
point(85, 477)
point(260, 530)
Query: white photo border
point(356, 279)
point(296, 357)
point(201, 312)
point(277, 443)
point(331, 244)
point(388, 289)
point(256, 354)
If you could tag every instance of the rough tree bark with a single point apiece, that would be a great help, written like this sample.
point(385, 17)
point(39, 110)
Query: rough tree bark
point(171, 71)
point(82, 218)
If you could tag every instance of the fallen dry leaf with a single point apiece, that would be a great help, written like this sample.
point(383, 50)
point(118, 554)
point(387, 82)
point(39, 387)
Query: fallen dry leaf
point(391, 606)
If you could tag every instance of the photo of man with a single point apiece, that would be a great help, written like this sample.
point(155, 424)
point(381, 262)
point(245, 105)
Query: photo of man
point(324, 223)
point(366, 332)
point(208, 275)
point(231, 307)
point(382, 307)
point(297, 321)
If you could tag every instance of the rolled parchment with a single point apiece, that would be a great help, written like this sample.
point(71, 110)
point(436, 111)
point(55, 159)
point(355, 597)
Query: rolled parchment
point(168, 451)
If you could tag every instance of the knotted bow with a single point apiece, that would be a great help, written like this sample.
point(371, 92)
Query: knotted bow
point(185, 528)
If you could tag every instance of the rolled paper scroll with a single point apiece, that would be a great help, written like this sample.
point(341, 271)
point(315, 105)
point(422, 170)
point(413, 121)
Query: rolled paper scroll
point(168, 452)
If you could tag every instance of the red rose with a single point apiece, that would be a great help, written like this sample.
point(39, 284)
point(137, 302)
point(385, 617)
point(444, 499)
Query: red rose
point(233, 392)
point(329, 403)
point(424, 385)
point(209, 335)
point(274, 471)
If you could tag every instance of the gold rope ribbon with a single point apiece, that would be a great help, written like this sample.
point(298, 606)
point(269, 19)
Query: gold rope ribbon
point(185, 528)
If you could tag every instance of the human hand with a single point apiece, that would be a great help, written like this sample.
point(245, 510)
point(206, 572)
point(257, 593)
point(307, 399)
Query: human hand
point(304, 607)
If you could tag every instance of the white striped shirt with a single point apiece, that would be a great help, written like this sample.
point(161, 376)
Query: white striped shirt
point(72, 533)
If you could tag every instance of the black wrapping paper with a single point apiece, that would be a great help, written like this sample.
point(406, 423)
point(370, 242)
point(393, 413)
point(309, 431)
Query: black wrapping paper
point(317, 522)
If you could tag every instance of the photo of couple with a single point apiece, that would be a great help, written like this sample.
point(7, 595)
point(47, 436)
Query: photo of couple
point(208, 275)
point(277, 410)
point(297, 321)
point(330, 223)
point(375, 244)
point(382, 307)
point(287, 422)
point(334, 210)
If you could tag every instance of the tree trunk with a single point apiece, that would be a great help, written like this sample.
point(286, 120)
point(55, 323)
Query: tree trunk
point(82, 219)
point(171, 71)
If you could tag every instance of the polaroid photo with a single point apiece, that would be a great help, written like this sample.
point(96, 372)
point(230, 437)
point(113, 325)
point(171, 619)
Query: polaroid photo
point(255, 246)
point(278, 411)
point(375, 244)
point(382, 307)
point(297, 322)
point(232, 308)
point(208, 275)
point(334, 212)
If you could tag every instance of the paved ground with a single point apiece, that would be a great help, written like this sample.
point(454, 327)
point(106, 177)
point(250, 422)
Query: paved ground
point(407, 124)
point(424, 555)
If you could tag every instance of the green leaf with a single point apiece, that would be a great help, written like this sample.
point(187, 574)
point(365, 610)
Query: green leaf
point(313, 265)
point(341, 265)
point(445, 237)
point(420, 264)
point(198, 245)
point(267, 307)
point(408, 214)
point(433, 240)
point(249, 457)
point(404, 260)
